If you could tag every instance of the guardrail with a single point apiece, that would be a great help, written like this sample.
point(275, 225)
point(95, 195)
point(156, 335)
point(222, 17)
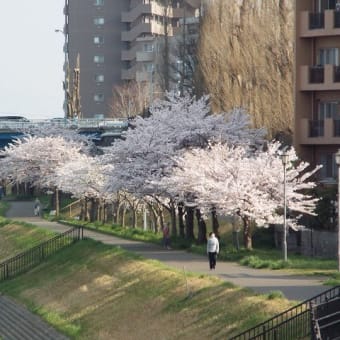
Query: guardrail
point(32, 257)
point(294, 323)
point(70, 123)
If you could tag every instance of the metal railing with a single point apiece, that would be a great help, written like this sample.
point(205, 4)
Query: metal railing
point(32, 257)
point(316, 20)
point(337, 73)
point(69, 208)
point(70, 123)
point(294, 323)
point(317, 74)
point(316, 128)
point(336, 19)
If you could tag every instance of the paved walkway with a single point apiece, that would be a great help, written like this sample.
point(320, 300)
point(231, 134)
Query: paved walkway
point(294, 287)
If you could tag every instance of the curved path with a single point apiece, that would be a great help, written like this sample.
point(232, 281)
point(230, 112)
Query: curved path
point(294, 287)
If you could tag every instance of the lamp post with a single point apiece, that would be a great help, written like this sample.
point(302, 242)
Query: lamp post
point(337, 160)
point(65, 69)
point(284, 158)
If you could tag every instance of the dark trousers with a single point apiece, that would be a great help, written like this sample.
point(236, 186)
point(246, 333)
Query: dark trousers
point(212, 260)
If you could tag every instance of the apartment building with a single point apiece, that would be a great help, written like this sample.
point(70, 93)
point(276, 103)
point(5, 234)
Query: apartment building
point(116, 42)
point(317, 84)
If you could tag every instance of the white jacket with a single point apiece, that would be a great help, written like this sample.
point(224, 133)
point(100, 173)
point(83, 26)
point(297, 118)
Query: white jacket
point(213, 245)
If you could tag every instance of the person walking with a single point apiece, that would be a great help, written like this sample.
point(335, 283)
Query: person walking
point(37, 207)
point(166, 236)
point(213, 248)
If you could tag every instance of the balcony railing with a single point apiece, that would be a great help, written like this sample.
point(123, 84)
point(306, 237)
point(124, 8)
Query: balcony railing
point(316, 20)
point(336, 19)
point(316, 128)
point(336, 74)
point(316, 74)
point(336, 127)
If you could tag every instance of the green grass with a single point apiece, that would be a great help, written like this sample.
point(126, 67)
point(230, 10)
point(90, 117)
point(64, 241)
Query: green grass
point(3, 207)
point(96, 291)
point(16, 237)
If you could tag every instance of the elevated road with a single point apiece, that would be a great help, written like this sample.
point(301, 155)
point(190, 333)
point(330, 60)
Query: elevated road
point(103, 129)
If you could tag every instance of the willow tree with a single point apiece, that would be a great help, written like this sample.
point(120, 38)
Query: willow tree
point(246, 59)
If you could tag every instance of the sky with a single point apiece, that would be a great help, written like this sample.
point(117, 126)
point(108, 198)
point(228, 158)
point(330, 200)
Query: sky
point(31, 58)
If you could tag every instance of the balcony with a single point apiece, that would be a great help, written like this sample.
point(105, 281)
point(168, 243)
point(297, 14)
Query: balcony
point(316, 128)
point(336, 19)
point(141, 28)
point(316, 20)
point(336, 74)
point(151, 8)
point(129, 74)
point(145, 56)
point(326, 23)
point(319, 132)
point(143, 76)
point(319, 78)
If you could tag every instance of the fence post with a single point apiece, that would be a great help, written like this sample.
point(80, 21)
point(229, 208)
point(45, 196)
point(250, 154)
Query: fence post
point(42, 251)
point(275, 335)
point(264, 332)
point(6, 271)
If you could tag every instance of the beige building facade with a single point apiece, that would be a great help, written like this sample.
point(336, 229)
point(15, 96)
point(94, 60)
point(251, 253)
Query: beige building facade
point(116, 42)
point(317, 84)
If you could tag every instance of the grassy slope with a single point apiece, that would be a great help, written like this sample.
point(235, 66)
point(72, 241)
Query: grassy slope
point(17, 236)
point(94, 291)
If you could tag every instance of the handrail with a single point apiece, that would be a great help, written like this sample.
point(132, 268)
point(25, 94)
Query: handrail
point(35, 255)
point(116, 123)
point(69, 206)
point(293, 323)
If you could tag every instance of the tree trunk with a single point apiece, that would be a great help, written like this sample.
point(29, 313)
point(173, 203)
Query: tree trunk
point(173, 219)
point(92, 210)
point(189, 223)
point(202, 228)
point(123, 216)
point(181, 219)
point(134, 217)
point(215, 224)
point(247, 233)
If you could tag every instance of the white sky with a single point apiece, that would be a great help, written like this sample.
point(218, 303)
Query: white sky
point(31, 58)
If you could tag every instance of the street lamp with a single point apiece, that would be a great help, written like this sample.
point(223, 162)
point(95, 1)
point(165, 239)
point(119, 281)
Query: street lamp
point(65, 69)
point(284, 158)
point(337, 160)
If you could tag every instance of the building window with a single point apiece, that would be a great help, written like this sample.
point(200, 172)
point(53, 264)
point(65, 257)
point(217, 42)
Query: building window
point(149, 67)
point(98, 2)
point(148, 47)
point(322, 5)
point(99, 59)
point(98, 97)
point(98, 21)
point(328, 56)
point(98, 39)
point(99, 78)
point(329, 167)
point(328, 110)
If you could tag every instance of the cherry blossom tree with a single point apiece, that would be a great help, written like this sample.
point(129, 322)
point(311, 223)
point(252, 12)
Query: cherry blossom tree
point(34, 160)
point(237, 180)
point(85, 178)
point(64, 129)
point(146, 153)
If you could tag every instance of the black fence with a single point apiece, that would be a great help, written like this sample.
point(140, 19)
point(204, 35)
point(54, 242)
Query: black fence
point(295, 323)
point(32, 257)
